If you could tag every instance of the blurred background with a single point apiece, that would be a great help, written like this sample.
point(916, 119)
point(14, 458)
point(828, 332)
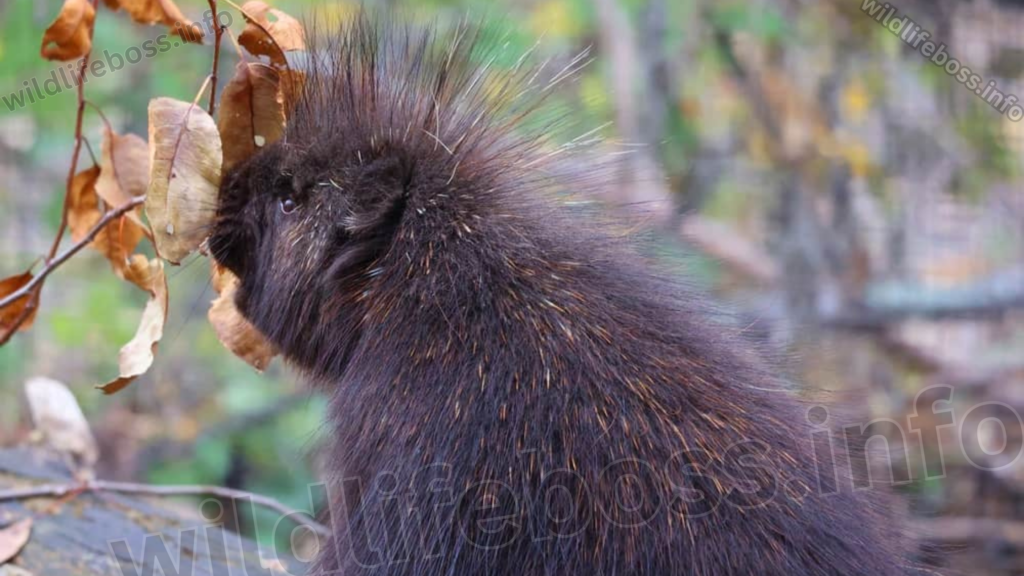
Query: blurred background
point(859, 207)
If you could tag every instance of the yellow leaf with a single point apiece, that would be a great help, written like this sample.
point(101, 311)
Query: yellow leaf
point(856, 101)
point(554, 17)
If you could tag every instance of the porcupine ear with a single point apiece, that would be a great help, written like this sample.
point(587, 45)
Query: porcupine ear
point(380, 219)
point(373, 218)
point(384, 192)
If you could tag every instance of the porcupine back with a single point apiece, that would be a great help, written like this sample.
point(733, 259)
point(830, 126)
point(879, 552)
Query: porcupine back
point(514, 389)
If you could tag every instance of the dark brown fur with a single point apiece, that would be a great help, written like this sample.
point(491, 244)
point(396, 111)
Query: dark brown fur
point(513, 390)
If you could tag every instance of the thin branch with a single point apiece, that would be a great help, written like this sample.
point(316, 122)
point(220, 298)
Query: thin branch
point(78, 144)
point(53, 263)
point(238, 48)
point(218, 32)
point(199, 95)
point(80, 114)
point(106, 121)
point(92, 153)
point(61, 490)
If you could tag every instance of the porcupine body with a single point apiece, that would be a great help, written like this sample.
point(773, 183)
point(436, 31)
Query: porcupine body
point(513, 389)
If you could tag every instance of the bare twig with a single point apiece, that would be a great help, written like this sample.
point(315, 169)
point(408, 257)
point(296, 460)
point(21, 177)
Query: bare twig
point(199, 95)
point(53, 263)
point(218, 32)
point(61, 490)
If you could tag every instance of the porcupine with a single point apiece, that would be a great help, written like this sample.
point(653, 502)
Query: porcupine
point(514, 390)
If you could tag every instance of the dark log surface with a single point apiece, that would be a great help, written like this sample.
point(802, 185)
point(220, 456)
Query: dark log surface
point(97, 534)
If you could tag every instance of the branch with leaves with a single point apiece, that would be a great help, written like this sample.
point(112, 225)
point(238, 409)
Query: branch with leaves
point(54, 263)
point(163, 188)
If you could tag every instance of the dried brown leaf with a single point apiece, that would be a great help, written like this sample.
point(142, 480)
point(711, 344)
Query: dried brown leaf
point(13, 538)
point(251, 112)
point(137, 355)
point(118, 239)
point(235, 332)
point(124, 168)
point(69, 35)
point(185, 168)
point(83, 204)
point(265, 37)
point(164, 12)
point(9, 314)
point(146, 274)
point(58, 417)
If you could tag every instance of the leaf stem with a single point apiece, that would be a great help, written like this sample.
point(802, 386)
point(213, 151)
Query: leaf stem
point(79, 115)
point(218, 32)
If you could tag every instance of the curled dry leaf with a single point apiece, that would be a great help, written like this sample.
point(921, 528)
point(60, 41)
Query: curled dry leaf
point(137, 355)
point(185, 160)
point(164, 12)
point(263, 37)
point(69, 36)
point(233, 330)
point(13, 538)
point(118, 239)
point(251, 112)
point(124, 168)
point(9, 314)
point(146, 274)
point(58, 417)
point(83, 204)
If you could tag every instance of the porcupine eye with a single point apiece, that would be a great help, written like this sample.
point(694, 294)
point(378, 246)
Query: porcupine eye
point(288, 205)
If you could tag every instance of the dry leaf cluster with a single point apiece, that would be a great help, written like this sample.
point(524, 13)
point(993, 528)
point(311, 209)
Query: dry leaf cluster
point(177, 170)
